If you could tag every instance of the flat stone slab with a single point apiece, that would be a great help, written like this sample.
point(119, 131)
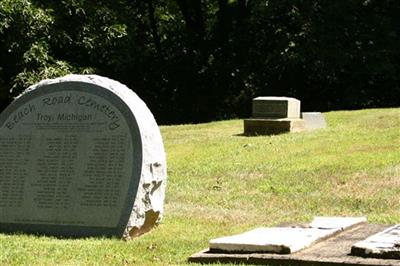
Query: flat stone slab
point(385, 244)
point(332, 251)
point(336, 222)
point(276, 107)
point(260, 126)
point(281, 240)
point(313, 120)
point(284, 240)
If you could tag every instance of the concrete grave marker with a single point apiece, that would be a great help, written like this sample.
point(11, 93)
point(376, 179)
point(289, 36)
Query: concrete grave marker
point(284, 240)
point(80, 156)
point(276, 107)
point(280, 240)
point(334, 250)
point(274, 115)
point(313, 120)
point(385, 244)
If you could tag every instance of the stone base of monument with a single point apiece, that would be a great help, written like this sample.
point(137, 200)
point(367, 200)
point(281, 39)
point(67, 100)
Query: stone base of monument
point(334, 250)
point(264, 126)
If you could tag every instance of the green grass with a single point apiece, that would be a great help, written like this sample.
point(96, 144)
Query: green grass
point(221, 183)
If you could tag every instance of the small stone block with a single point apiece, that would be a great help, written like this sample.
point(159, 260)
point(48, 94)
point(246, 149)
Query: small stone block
point(280, 240)
point(276, 107)
point(313, 120)
point(254, 126)
point(385, 244)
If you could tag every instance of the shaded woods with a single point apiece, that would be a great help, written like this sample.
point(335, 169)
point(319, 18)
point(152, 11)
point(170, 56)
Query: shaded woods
point(201, 60)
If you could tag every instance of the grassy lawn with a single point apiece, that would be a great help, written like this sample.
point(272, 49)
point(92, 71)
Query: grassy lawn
point(221, 183)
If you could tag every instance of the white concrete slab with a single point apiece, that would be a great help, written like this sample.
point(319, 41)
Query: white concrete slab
point(385, 244)
point(336, 222)
point(283, 240)
point(329, 252)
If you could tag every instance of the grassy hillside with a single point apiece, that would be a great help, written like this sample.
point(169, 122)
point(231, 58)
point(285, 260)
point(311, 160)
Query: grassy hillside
point(222, 183)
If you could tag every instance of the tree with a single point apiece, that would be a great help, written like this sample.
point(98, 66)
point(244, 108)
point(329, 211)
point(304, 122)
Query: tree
point(201, 60)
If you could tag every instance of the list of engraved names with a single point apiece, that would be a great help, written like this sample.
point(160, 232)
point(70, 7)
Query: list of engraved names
point(65, 158)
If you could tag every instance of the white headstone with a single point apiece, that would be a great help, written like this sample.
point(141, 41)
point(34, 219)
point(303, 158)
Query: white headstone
point(313, 120)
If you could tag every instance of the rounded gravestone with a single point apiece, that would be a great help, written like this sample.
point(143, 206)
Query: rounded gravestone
point(80, 156)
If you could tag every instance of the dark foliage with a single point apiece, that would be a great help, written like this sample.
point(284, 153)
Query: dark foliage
point(201, 60)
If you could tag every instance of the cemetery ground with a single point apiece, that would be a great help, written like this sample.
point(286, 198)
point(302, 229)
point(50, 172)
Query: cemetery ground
point(221, 183)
